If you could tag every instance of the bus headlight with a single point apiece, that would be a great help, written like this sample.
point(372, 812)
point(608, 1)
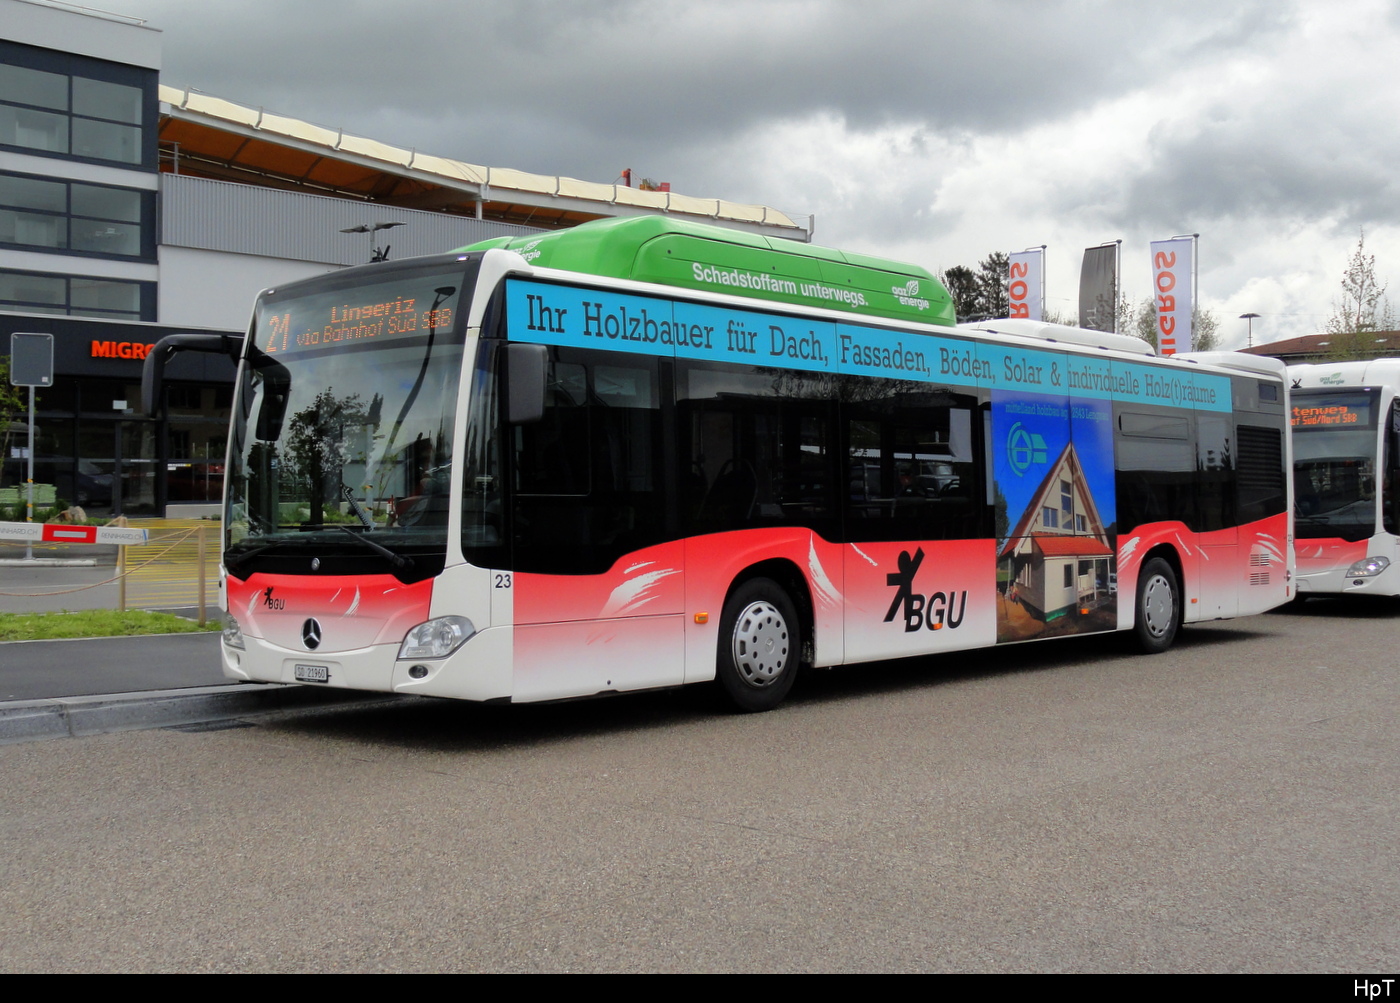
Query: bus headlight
point(233, 634)
point(437, 638)
point(1368, 568)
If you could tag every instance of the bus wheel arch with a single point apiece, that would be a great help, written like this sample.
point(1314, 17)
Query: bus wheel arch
point(1157, 606)
point(764, 636)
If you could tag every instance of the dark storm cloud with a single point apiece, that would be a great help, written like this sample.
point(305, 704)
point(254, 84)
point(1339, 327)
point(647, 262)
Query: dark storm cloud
point(584, 88)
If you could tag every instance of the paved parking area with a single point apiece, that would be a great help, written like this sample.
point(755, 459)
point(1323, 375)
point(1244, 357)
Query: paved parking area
point(1228, 806)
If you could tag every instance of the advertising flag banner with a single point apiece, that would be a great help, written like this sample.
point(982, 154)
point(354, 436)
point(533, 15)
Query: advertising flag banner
point(1171, 294)
point(1024, 284)
point(1098, 288)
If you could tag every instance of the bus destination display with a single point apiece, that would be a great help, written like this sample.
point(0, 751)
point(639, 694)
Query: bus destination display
point(325, 322)
point(1331, 414)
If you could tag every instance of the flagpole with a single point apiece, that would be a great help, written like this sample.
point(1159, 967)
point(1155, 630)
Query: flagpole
point(1044, 274)
point(1195, 281)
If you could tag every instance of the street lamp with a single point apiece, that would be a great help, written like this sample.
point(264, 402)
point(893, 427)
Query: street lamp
point(375, 254)
point(1249, 333)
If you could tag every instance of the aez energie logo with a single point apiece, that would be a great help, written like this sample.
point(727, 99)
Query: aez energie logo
point(1024, 449)
point(908, 295)
point(935, 611)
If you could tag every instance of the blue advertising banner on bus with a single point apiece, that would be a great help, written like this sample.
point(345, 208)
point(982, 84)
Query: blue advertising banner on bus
point(570, 316)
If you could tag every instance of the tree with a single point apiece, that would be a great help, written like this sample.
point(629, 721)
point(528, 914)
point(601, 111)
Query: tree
point(1205, 328)
point(12, 408)
point(1144, 323)
point(1363, 307)
point(961, 284)
point(993, 278)
point(980, 295)
point(1205, 331)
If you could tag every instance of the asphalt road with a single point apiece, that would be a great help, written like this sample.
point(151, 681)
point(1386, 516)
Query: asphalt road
point(1228, 806)
point(36, 670)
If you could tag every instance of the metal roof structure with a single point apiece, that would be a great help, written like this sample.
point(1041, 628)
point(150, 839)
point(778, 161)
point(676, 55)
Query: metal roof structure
point(1320, 347)
point(214, 138)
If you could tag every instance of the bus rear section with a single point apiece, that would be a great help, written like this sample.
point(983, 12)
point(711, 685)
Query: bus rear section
point(1345, 435)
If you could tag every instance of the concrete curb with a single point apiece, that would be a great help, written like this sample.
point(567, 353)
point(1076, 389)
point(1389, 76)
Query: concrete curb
point(48, 562)
point(76, 717)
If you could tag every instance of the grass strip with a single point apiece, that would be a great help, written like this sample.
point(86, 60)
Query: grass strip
point(94, 623)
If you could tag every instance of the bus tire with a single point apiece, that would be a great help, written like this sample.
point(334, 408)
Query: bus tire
point(760, 645)
point(1158, 606)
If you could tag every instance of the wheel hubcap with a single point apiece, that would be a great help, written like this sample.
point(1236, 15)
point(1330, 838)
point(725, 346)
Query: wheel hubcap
point(1157, 606)
point(760, 644)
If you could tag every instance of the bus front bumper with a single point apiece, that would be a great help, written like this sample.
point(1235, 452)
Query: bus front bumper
point(479, 670)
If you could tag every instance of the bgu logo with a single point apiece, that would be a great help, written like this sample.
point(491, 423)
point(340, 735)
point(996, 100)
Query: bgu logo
point(272, 603)
point(935, 611)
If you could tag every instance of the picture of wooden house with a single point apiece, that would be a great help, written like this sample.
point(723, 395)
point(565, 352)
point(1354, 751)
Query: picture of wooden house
point(1057, 566)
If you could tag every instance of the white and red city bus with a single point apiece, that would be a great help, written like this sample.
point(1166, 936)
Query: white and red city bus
point(642, 454)
point(1346, 454)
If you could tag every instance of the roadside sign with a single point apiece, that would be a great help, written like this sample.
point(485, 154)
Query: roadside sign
point(31, 359)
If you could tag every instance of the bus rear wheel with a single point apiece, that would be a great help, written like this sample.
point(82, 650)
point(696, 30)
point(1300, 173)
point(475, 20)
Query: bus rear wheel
point(760, 645)
point(1158, 606)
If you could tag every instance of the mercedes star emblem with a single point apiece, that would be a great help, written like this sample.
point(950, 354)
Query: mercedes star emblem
point(311, 634)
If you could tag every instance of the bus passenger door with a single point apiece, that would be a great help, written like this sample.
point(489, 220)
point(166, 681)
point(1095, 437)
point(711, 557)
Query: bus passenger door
point(598, 589)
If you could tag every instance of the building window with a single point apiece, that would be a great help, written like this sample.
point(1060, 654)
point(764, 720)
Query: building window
point(70, 105)
point(85, 296)
point(74, 217)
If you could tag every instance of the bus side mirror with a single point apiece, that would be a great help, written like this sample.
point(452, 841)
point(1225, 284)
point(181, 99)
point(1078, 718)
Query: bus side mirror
point(276, 388)
point(153, 369)
point(526, 369)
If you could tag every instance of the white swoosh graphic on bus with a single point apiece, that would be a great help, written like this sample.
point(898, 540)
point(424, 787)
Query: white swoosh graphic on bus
point(634, 593)
point(821, 584)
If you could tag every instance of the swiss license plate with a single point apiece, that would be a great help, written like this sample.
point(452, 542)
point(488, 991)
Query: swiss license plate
point(311, 673)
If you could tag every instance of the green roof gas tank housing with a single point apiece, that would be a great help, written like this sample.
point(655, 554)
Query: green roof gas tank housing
point(695, 256)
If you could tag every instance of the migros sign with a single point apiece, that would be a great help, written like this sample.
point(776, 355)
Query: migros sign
point(120, 350)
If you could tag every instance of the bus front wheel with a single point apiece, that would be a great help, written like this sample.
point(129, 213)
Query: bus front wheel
point(1158, 606)
point(760, 645)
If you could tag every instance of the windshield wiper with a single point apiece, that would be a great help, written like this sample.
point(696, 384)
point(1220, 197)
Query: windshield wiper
point(396, 560)
point(349, 495)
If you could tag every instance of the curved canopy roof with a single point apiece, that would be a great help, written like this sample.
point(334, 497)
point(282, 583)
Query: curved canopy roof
point(208, 136)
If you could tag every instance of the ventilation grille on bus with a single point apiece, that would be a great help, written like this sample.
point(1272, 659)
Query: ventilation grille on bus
point(1260, 560)
point(1259, 578)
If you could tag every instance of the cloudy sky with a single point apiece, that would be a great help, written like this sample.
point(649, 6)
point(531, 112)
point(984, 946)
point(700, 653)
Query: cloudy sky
point(930, 131)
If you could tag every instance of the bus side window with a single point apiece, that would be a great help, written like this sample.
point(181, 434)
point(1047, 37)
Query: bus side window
point(1156, 469)
point(911, 471)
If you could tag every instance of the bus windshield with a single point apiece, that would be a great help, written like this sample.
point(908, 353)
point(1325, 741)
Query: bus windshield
point(344, 421)
point(1334, 458)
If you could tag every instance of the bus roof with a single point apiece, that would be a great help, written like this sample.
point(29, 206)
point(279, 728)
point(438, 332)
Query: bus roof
point(1356, 373)
point(678, 253)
